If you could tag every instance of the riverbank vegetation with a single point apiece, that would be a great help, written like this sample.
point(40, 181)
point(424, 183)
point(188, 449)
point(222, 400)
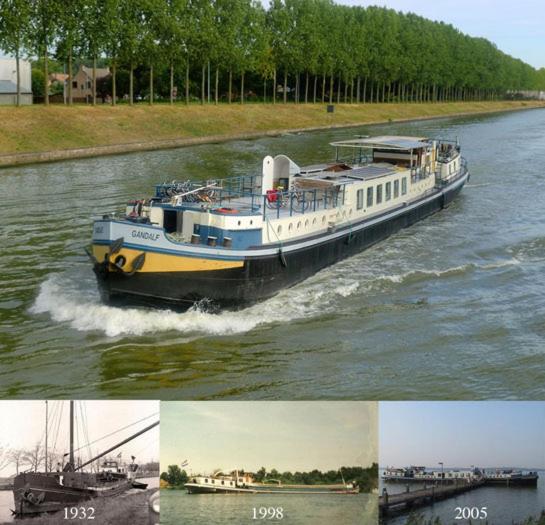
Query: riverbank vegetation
point(365, 478)
point(31, 129)
point(305, 51)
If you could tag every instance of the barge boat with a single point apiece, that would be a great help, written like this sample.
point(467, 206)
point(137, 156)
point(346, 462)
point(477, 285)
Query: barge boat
point(508, 477)
point(244, 483)
point(37, 493)
point(239, 240)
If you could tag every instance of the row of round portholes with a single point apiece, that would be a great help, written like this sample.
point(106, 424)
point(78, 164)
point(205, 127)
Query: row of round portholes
point(290, 227)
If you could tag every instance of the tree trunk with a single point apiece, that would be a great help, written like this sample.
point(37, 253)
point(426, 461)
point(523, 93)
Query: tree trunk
point(315, 88)
point(372, 86)
point(339, 91)
point(216, 87)
point(131, 85)
point(203, 83)
point(297, 88)
point(94, 81)
point(364, 98)
point(306, 90)
point(383, 91)
point(171, 84)
point(242, 88)
point(230, 95)
point(346, 92)
point(389, 99)
point(70, 75)
point(151, 85)
point(274, 87)
point(285, 87)
point(358, 84)
point(323, 89)
point(46, 81)
point(331, 89)
point(264, 91)
point(114, 88)
point(187, 83)
point(18, 77)
point(208, 77)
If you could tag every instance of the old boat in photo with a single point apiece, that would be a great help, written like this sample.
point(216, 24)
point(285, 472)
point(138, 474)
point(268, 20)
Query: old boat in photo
point(69, 485)
point(238, 240)
point(243, 483)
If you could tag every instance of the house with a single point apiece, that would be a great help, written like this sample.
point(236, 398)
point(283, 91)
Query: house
point(82, 82)
point(8, 81)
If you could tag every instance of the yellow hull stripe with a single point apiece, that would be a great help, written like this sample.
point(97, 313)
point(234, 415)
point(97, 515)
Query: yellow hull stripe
point(162, 262)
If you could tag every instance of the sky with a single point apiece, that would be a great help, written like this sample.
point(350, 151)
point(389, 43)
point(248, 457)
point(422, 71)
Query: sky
point(461, 434)
point(290, 435)
point(23, 425)
point(517, 28)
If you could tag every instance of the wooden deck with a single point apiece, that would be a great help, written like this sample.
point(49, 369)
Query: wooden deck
point(392, 503)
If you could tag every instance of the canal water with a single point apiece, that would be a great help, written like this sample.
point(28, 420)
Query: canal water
point(504, 505)
point(297, 509)
point(6, 506)
point(451, 308)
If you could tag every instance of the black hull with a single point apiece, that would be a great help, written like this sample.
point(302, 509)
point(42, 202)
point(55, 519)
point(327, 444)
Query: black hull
point(259, 278)
point(38, 493)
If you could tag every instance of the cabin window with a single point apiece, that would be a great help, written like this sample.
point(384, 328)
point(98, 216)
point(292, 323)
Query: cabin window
point(359, 199)
point(379, 193)
point(306, 223)
point(396, 189)
point(279, 229)
point(388, 191)
point(239, 223)
point(251, 222)
point(314, 221)
point(323, 219)
point(222, 482)
point(369, 197)
point(290, 227)
point(170, 221)
point(404, 186)
point(213, 482)
point(205, 480)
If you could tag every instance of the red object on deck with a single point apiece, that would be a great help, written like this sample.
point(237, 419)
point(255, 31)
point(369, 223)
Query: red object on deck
point(272, 195)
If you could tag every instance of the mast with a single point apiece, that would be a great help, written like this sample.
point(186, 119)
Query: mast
point(46, 426)
point(130, 438)
point(71, 460)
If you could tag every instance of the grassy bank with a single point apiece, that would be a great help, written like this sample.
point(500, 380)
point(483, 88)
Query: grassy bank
point(130, 508)
point(37, 129)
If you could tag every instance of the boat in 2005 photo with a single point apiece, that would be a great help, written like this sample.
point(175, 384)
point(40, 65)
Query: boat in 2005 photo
point(243, 483)
point(238, 240)
point(69, 485)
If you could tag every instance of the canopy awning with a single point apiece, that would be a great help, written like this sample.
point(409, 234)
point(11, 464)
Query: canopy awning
point(385, 142)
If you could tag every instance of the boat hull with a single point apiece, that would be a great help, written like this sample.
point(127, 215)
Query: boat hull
point(37, 493)
point(262, 276)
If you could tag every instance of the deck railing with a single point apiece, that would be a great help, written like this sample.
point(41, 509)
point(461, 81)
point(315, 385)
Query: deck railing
point(244, 192)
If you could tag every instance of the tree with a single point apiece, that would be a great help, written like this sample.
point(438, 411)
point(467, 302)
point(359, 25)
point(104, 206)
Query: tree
point(70, 31)
point(175, 476)
point(43, 28)
point(14, 32)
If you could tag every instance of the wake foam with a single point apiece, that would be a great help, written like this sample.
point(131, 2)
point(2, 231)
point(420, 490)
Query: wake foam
point(74, 299)
point(67, 304)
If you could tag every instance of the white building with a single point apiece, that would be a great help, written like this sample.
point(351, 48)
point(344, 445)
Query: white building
point(8, 81)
